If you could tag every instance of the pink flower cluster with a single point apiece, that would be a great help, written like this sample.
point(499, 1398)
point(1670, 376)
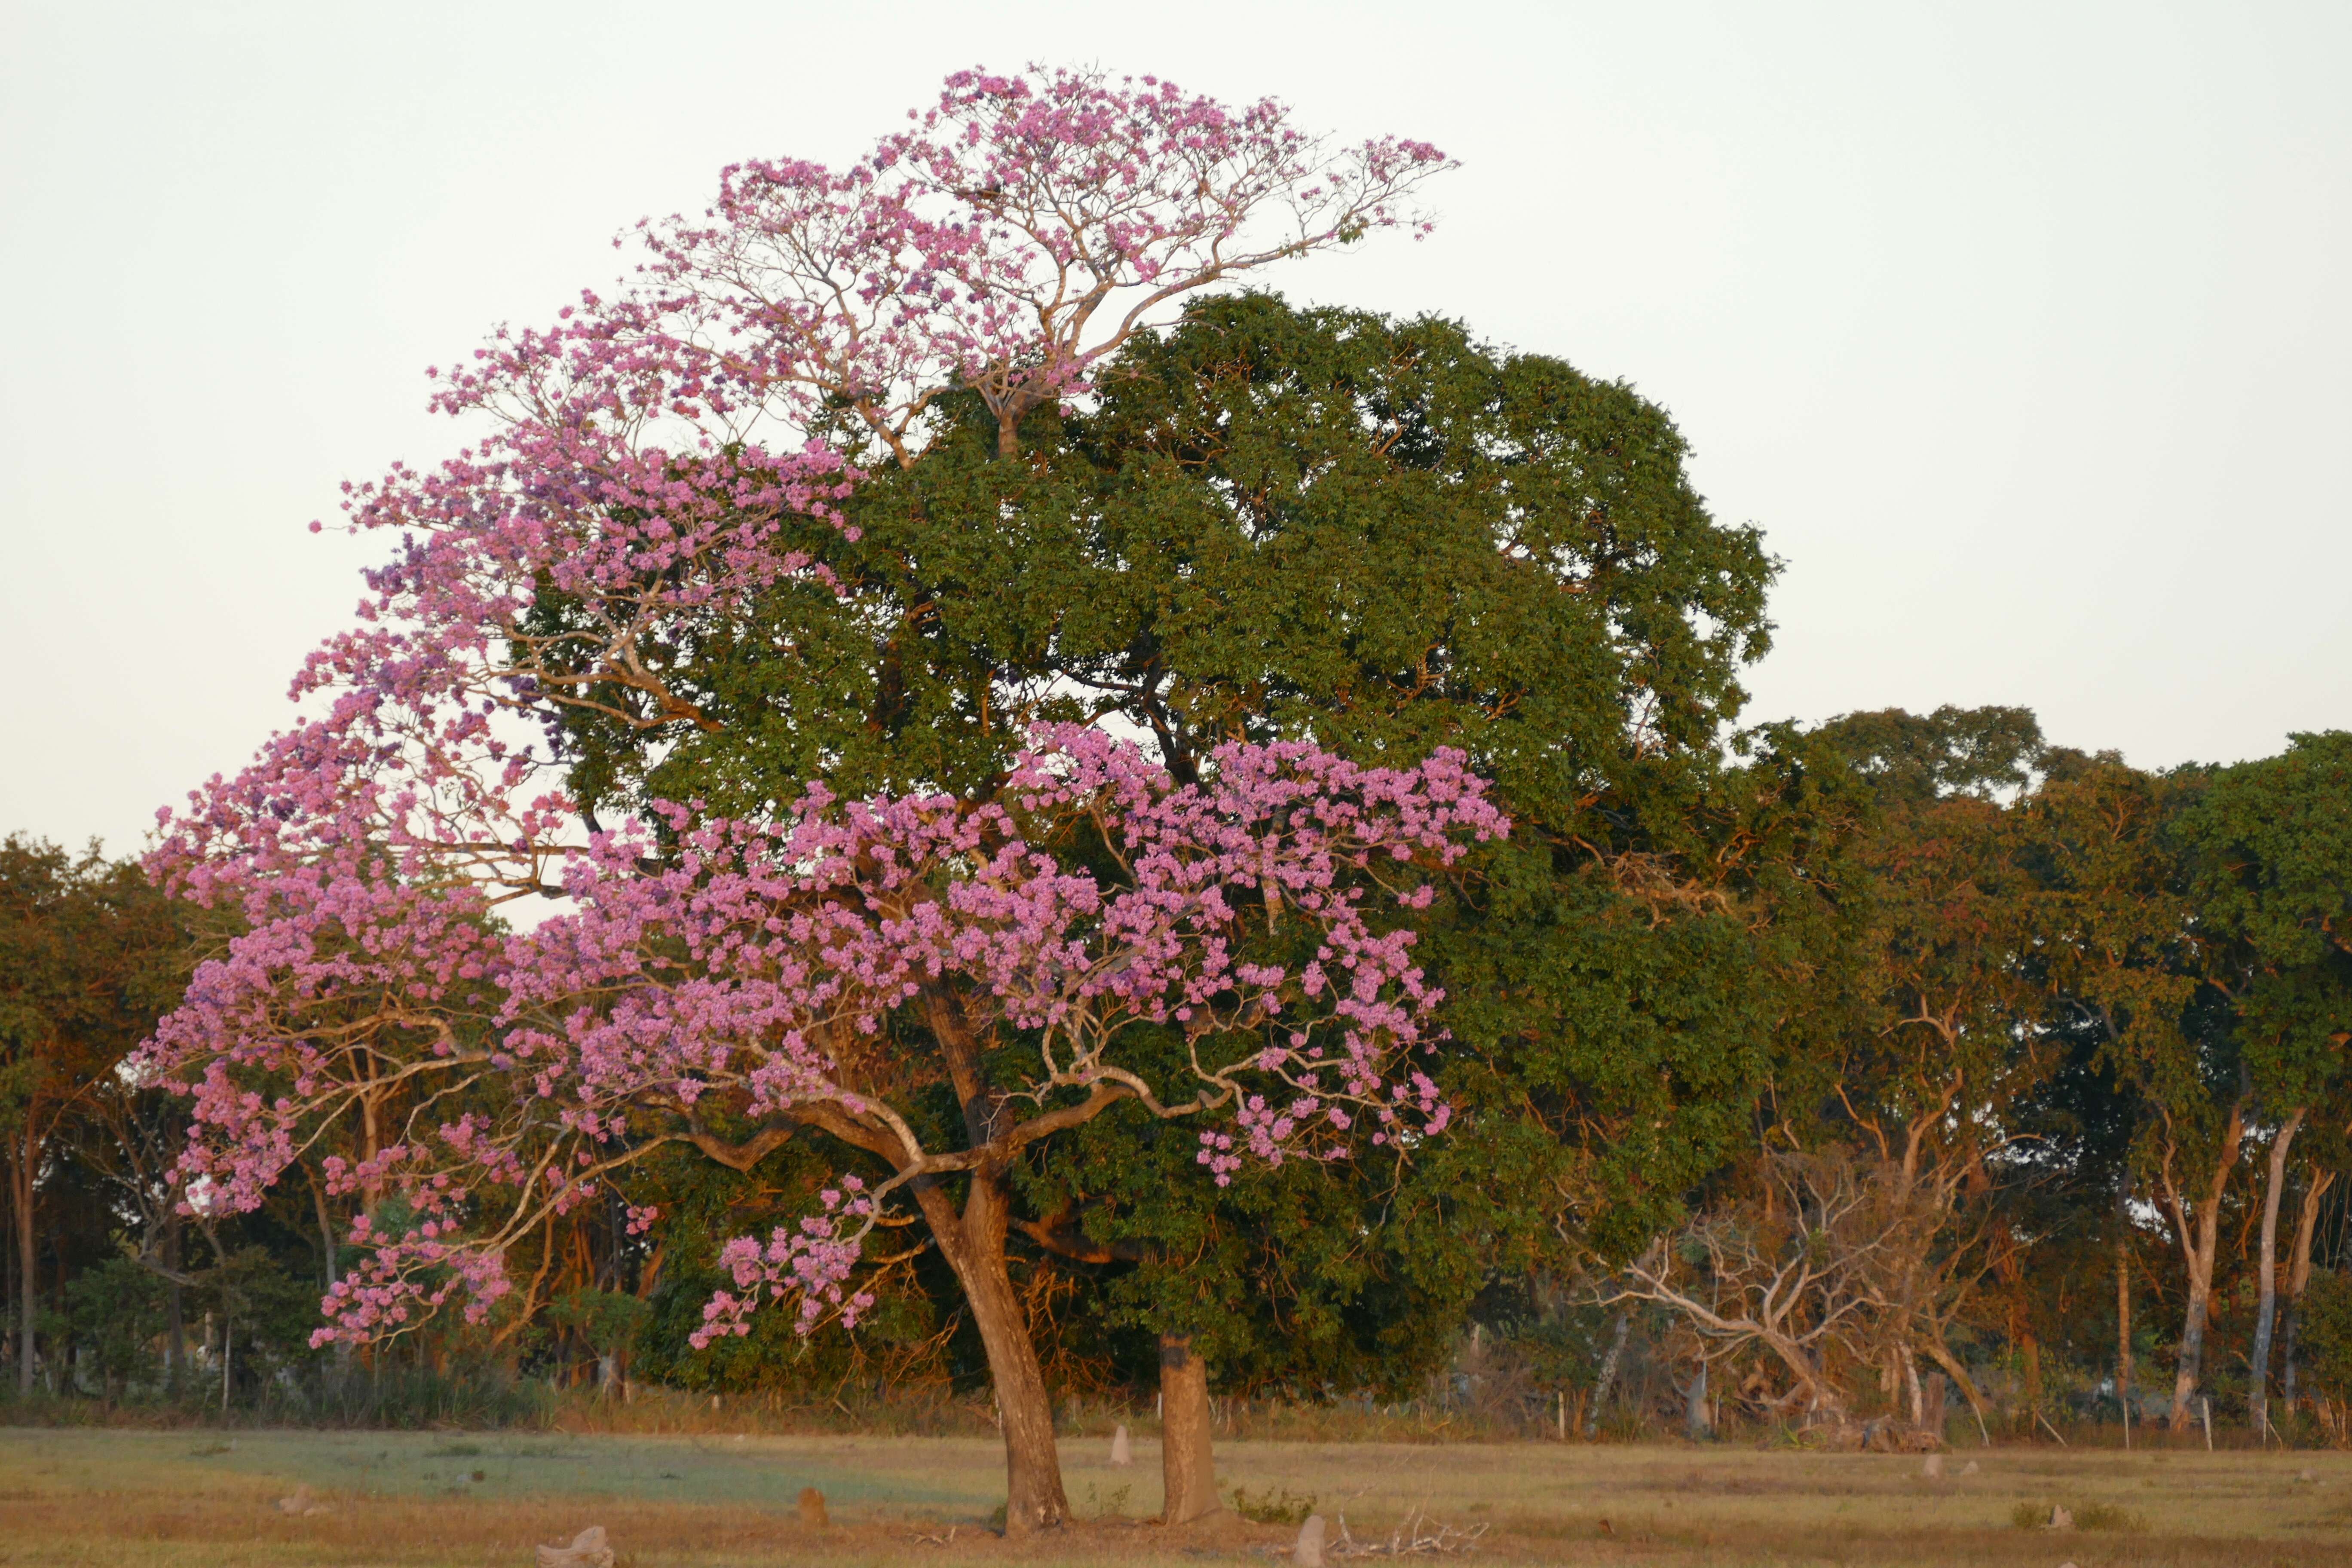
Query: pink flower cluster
point(654, 459)
point(812, 1263)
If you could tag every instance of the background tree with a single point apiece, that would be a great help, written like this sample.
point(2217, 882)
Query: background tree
point(2273, 844)
point(88, 955)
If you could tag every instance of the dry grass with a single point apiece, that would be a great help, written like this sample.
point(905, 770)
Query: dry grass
point(97, 1499)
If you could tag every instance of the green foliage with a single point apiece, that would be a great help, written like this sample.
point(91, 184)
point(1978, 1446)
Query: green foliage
point(1273, 1507)
point(1384, 536)
point(2271, 842)
point(272, 1310)
point(606, 1321)
point(1910, 759)
point(2325, 1332)
point(116, 1313)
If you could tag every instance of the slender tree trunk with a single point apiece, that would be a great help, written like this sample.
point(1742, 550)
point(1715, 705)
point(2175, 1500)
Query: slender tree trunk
point(20, 1181)
point(973, 1245)
point(2200, 1241)
point(175, 1342)
point(2033, 1382)
point(2258, 1381)
point(2298, 1273)
point(2123, 1302)
point(1187, 1469)
point(326, 1233)
point(1608, 1372)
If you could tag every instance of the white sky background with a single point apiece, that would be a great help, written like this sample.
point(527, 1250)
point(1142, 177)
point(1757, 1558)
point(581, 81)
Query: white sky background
point(2021, 330)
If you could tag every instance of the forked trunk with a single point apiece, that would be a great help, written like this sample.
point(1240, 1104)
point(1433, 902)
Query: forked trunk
point(2298, 1273)
point(2200, 1240)
point(973, 1245)
point(972, 1242)
point(2257, 1390)
point(1187, 1469)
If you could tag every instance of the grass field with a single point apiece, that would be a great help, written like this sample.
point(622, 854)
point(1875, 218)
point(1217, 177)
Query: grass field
point(100, 1498)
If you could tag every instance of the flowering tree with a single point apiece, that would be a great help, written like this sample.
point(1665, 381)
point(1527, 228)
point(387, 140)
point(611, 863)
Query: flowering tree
point(1214, 953)
point(1083, 932)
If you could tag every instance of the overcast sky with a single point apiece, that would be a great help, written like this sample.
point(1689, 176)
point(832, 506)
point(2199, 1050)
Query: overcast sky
point(2022, 331)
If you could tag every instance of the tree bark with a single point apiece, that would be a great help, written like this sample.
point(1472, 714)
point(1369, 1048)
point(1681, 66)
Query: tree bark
point(2200, 1239)
point(2298, 1273)
point(1607, 1374)
point(331, 1264)
point(973, 1245)
point(175, 1343)
point(1695, 1407)
point(1187, 1467)
point(2266, 1271)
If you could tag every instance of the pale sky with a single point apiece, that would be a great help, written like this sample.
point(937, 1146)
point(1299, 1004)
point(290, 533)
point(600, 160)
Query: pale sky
point(2023, 331)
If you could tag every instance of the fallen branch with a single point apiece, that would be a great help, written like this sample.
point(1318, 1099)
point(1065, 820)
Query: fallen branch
point(1412, 1537)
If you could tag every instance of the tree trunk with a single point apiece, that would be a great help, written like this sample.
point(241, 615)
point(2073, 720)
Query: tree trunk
point(2258, 1381)
point(2190, 1364)
point(332, 1263)
point(972, 1242)
point(20, 1182)
point(175, 1342)
point(1607, 1374)
point(1694, 1406)
point(1187, 1469)
point(2123, 1303)
point(2298, 1273)
point(2200, 1240)
point(973, 1245)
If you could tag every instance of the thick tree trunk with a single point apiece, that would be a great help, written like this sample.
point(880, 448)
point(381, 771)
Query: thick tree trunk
point(1187, 1469)
point(2258, 1384)
point(20, 1182)
point(973, 1244)
point(1034, 1498)
point(2190, 1364)
point(2200, 1240)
